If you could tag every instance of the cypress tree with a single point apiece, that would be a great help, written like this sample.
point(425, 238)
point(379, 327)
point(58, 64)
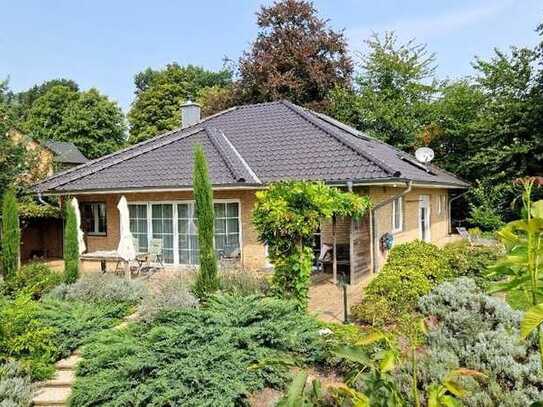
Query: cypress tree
point(207, 280)
point(11, 235)
point(71, 245)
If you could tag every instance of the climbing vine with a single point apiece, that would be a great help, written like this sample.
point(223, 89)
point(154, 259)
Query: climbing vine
point(286, 216)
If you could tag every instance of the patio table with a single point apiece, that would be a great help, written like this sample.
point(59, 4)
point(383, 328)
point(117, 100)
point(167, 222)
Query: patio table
point(109, 255)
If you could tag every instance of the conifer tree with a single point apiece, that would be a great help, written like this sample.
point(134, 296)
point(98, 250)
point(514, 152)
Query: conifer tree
point(71, 246)
point(11, 234)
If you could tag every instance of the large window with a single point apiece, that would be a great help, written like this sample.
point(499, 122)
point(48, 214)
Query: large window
point(162, 228)
point(175, 224)
point(138, 226)
point(226, 227)
point(187, 234)
point(93, 218)
point(397, 215)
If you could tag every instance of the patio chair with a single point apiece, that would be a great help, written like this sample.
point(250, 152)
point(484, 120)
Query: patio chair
point(465, 234)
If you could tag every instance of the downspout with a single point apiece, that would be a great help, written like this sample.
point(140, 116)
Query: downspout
point(374, 210)
point(450, 207)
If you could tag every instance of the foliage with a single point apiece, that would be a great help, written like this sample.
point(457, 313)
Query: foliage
point(88, 119)
point(71, 245)
point(481, 333)
point(299, 394)
point(29, 209)
point(168, 295)
point(472, 261)
point(243, 282)
point(11, 235)
point(16, 388)
point(393, 93)
point(75, 322)
point(285, 216)
point(411, 271)
point(160, 93)
point(102, 288)
point(24, 337)
point(197, 356)
point(34, 279)
point(207, 280)
point(484, 207)
point(295, 56)
point(217, 98)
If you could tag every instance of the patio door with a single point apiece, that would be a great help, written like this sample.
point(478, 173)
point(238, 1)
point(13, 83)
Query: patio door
point(424, 218)
point(162, 228)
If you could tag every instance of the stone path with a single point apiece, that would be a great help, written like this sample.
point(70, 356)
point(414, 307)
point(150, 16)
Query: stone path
point(56, 391)
point(326, 298)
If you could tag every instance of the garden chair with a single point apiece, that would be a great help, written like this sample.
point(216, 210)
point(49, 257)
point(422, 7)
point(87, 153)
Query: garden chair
point(465, 235)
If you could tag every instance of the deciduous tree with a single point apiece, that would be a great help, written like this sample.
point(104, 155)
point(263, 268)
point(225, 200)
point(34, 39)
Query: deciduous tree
point(296, 56)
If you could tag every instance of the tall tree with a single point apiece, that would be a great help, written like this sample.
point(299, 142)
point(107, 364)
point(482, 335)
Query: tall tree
point(11, 235)
point(295, 56)
point(89, 119)
point(393, 93)
point(207, 280)
point(160, 93)
point(71, 245)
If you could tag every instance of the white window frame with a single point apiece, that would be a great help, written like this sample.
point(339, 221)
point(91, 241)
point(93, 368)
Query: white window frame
point(395, 203)
point(175, 222)
point(96, 220)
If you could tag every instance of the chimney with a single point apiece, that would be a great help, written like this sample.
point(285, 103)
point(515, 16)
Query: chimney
point(190, 114)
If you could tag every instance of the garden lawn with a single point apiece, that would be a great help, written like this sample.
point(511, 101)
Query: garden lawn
point(216, 355)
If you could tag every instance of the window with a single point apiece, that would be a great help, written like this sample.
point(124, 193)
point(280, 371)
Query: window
point(162, 228)
point(138, 226)
point(226, 227)
point(93, 218)
point(397, 215)
point(187, 228)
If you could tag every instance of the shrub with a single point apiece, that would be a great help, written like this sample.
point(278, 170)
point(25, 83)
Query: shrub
point(243, 282)
point(472, 262)
point(75, 322)
point(25, 337)
point(480, 332)
point(34, 279)
point(170, 295)
point(105, 288)
point(11, 235)
point(207, 280)
point(197, 356)
point(71, 245)
point(411, 271)
point(16, 388)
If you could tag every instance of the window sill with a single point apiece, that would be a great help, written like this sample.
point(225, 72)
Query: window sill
point(97, 234)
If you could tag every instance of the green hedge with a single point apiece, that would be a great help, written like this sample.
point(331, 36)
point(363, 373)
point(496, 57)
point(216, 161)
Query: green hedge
point(411, 271)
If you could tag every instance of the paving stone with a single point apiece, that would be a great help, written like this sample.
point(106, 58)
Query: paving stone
point(69, 363)
point(52, 396)
point(61, 378)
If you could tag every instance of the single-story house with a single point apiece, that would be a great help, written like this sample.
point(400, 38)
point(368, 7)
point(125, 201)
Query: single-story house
point(247, 148)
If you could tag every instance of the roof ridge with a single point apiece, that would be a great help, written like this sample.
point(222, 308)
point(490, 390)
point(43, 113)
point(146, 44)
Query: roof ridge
point(311, 119)
point(123, 159)
point(214, 133)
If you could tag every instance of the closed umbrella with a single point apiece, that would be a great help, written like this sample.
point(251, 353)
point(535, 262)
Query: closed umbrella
point(80, 234)
point(126, 249)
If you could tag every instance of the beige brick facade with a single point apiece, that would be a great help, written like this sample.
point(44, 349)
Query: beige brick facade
point(253, 252)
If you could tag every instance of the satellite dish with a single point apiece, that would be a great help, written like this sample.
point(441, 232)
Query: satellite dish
point(424, 155)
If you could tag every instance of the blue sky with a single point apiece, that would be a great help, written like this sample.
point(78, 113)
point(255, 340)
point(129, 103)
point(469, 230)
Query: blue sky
point(104, 43)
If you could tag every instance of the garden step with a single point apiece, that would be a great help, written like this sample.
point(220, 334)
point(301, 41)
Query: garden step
point(61, 378)
point(52, 396)
point(69, 363)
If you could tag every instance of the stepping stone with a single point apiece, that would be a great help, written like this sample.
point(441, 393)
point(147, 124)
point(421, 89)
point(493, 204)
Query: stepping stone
point(62, 378)
point(52, 396)
point(69, 363)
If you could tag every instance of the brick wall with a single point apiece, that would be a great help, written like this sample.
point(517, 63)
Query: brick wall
point(252, 252)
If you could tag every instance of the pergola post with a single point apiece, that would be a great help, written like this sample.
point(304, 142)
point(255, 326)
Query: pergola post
point(334, 250)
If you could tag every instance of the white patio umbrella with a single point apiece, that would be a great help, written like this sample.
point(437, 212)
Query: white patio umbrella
point(126, 249)
point(80, 240)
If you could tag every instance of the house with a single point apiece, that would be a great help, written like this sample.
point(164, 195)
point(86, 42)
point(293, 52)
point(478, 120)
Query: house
point(248, 147)
point(47, 156)
point(42, 235)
